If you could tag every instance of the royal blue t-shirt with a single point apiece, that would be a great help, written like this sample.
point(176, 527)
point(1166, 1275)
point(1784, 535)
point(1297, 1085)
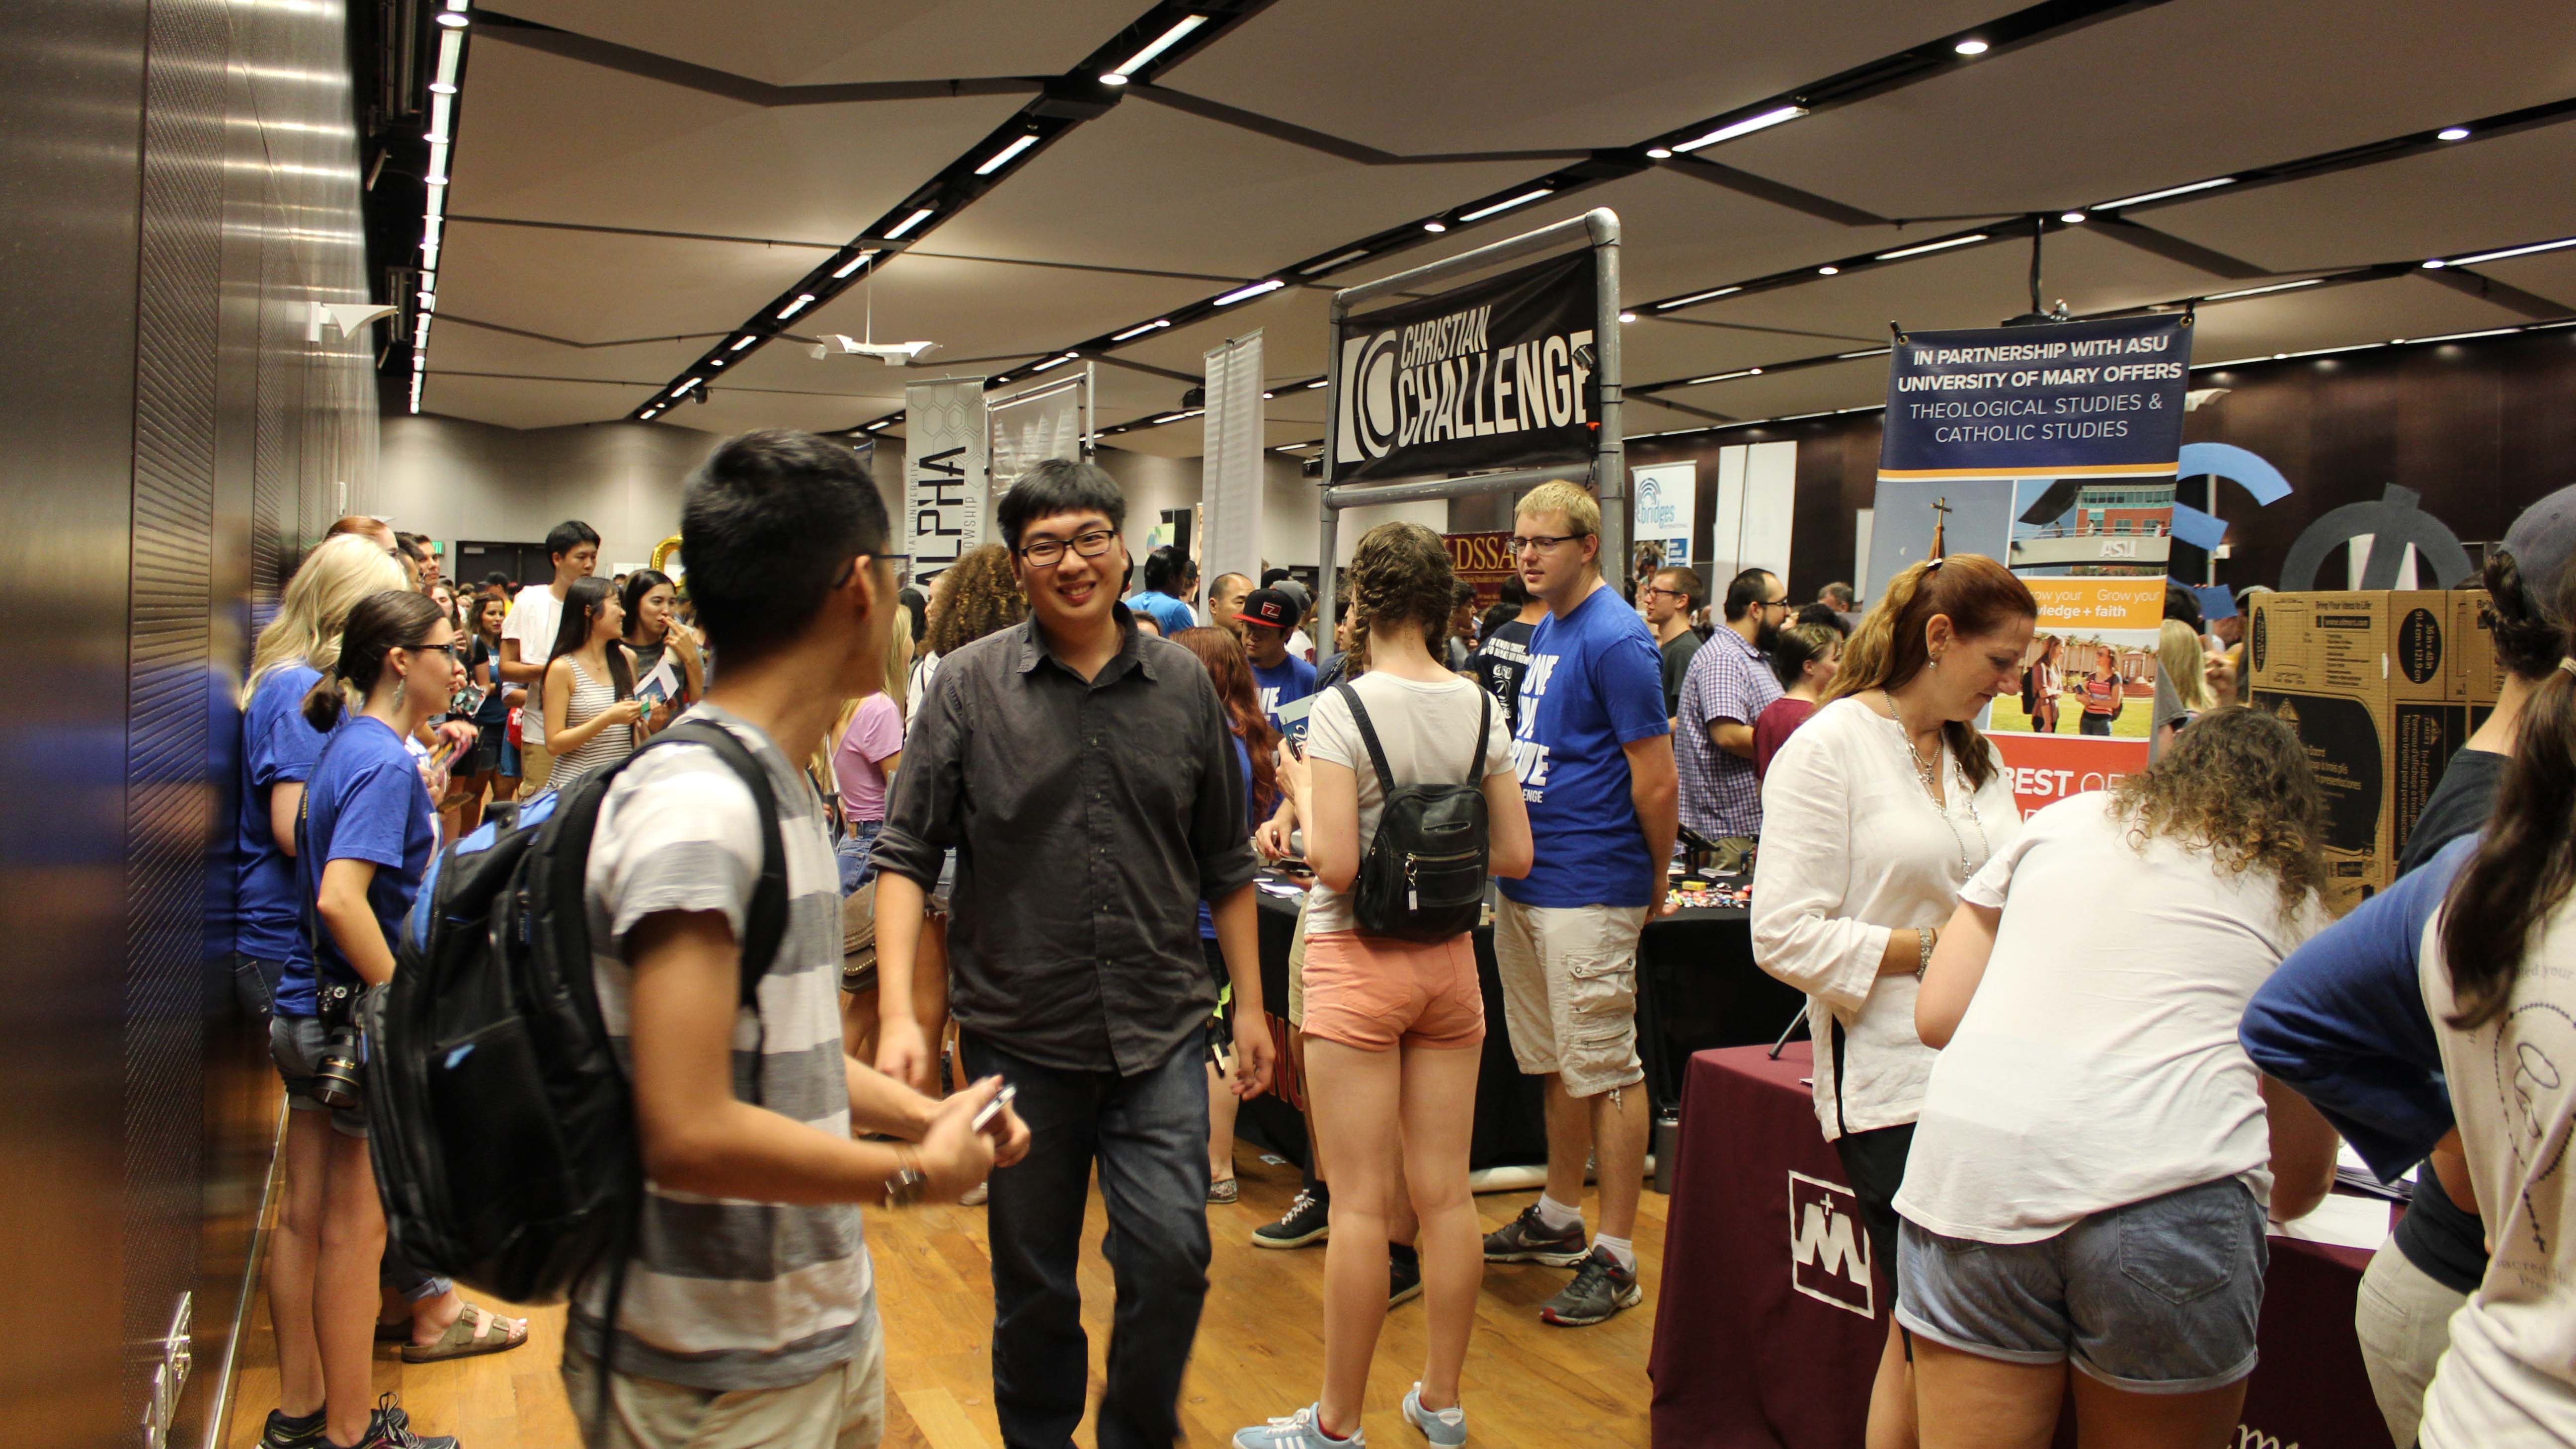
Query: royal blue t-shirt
point(278, 748)
point(1243, 767)
point(1169, 614)
point(1292, 681)
point(365, 802)
point(1595, 684)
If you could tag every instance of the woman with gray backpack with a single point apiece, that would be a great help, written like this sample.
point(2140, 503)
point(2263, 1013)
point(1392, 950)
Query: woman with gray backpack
point(1409, 802)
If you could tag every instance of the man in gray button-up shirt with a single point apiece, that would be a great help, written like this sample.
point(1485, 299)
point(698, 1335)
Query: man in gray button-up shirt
point(1086, 777)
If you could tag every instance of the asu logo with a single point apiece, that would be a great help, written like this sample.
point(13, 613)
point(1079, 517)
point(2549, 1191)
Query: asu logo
point(1828, 1252)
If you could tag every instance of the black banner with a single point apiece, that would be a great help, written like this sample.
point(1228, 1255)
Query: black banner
point(1497, 374)
point(2063, 400)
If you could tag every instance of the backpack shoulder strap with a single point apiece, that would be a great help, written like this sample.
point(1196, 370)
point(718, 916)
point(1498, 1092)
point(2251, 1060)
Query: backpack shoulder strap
point(765, 930)
point(1484, 727)
point(1368, 734)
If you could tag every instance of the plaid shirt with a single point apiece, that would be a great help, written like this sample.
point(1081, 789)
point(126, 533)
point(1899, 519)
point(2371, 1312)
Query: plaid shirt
point(1729, 679)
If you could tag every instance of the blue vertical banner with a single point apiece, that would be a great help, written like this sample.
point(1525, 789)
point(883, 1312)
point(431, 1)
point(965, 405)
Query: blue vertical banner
point(2062, 400)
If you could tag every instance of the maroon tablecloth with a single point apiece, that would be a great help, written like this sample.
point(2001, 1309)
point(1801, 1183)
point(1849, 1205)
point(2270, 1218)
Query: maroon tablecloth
point(1769, 1319)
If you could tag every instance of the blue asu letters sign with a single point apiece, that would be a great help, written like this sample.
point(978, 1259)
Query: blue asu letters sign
point(2061, 400)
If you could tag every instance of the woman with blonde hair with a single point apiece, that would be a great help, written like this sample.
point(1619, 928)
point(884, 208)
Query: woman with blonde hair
point(1875, 814)
point(861, 769)
point(2182, 675)
point(2084, 1206)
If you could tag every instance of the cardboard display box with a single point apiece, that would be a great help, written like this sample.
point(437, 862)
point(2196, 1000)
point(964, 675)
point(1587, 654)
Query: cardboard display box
point(2374, 683)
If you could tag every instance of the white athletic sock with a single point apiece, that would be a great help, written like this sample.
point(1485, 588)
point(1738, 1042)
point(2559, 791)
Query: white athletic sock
point(1621, 1249)
point(1556, 1215)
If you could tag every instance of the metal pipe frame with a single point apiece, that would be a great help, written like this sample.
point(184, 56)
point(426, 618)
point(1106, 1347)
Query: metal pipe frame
point(1607, 471)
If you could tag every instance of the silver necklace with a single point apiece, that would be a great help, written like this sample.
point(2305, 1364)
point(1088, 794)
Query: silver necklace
point(1928, 774)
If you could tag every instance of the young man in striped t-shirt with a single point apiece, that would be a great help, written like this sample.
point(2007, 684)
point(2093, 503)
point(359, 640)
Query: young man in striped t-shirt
point(749, 1315)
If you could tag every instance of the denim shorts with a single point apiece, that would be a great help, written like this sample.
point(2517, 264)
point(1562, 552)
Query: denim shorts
point(295, 1043)
point(852, 850)
point(2154, 1297)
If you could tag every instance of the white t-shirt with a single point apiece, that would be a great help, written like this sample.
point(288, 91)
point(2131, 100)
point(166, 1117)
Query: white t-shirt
point(534, 617)
point(1429, 734)
point(917, 688)
point(2098, 1063)
point(1853, 850)
point(2509, 1381)
point(1301, 646)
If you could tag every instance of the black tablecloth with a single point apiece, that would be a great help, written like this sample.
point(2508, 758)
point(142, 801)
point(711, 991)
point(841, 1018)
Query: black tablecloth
point(1697, 987)
point(1770, 1317)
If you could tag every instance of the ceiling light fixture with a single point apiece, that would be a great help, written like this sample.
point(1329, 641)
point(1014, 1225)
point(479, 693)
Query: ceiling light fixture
point(896, 231)
point(434, 180)
point(453, 19)
point(1524, 199)
point(853, 264)
point(1971, 47)
point(1118, 76)
point(879, 423)
point(740, 343)
point(1058, 361)
point(436, 138)
point(1240, 294)
point(2497, 256)
point(1970, 239)
point(2147, 196)
point(1725, 376)
point(1829, 271)
point(1627, 316)
point(442, 88)
point(803, 301)
point(1864, 352)
point(1002, 158)
point(1318, 382)
point(1708, 296)
point(1141, 329)
point(1435, 227)
point(2073, 218)
point(2452, 133)
point(1659, 153)
point(684, 387)
point(2260, 291)
point(1745, 127)
point(2465, 336)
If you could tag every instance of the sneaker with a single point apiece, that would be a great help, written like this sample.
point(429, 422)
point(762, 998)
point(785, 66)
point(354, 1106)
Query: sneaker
point(389, 1427)
point(1444, 1427)
point(976, 1196)
point(285, 1433)
point(1308, 1219)
point(1223, 1192)
point(1298, 1431)
point(1600, 1288)
point(1403, 1278)
point(1527, 1240)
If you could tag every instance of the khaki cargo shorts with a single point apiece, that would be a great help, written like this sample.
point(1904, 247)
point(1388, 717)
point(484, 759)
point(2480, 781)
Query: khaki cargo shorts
point(1570, 992)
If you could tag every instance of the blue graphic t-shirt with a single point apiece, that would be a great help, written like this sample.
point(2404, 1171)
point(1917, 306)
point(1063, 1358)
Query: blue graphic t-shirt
point(278, 748)
point(1595, 684)
point(1292, 681)
point(1243, 767)
point(366, 802)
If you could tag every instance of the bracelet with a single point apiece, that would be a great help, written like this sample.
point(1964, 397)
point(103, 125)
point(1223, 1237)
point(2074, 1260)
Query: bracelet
point(903, 1188)
point(1924, 936)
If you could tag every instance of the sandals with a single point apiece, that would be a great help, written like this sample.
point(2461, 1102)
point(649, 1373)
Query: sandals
point(1223, 1190)
point(473, 1332)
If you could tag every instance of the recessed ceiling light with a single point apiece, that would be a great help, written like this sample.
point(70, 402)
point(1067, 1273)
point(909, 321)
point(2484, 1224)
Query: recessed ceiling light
point(1435, 226)
point(2260, 291)
point(853, 264)
point(1829, 271)
point(740, 343)
point(1319, 382)
point(803, 301)
point(2146, 196)
point(1970, 47)
point(1160, 43)
point(1627, 316)
point(1002, 158)
point(453, 19)
point(1113, 79)
point(896, 231)
point(1141, 329)
point(2452, 133)
point(1745, 127)
point(442, 88)
point(1240, 294)
point(1660, 153)
point(1970, 239)
point(1524, 199)
point(2073, 218)
point(1697, 297)
point(2499, 255)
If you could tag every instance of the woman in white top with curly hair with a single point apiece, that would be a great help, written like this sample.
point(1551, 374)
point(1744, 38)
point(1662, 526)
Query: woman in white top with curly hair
point(1875, 814)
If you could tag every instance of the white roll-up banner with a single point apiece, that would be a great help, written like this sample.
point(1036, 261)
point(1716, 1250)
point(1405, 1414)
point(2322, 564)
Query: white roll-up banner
point(1035, 424)
point(944, 474)
point(1230, 477)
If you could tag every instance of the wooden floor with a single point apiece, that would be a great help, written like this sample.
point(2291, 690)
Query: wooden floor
point(1260, 1344)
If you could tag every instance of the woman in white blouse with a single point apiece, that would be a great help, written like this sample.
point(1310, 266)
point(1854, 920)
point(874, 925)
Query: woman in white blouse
point(1875, 814)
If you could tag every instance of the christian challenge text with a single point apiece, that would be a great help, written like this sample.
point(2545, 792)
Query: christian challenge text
point(1513, 389)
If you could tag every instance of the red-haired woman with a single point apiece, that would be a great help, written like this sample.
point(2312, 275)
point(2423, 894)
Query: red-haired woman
point(1255, 747)
point(1875, 814)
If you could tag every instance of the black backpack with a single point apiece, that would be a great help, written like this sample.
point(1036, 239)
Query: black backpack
point(1423, 878)
point(501, 1123)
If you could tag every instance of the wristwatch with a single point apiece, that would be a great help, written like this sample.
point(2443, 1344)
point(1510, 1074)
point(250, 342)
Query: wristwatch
point(903, 1187)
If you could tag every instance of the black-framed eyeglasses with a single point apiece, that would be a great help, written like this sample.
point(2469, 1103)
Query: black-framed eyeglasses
point(1661, 591)
point(1523, 543)
point(1048, 552)
point(455, 652)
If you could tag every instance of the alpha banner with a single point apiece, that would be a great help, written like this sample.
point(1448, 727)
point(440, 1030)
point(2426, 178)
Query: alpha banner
point(1497, 374)
point(2063, 400)
point(944, 471)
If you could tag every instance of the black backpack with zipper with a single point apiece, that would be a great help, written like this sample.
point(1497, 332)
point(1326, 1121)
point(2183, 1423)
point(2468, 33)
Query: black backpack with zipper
point(502, 1125)
point(1423, 878)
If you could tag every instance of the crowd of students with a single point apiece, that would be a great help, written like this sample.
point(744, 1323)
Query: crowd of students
point(1016, 807)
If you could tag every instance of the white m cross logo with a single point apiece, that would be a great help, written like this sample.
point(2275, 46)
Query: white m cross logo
point(1828, 1252)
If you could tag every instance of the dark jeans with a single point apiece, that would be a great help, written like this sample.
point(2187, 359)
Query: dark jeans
point(2094, 724)
point(1149, 1135)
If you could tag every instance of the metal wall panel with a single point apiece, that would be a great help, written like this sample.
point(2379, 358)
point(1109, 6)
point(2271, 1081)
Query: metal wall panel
point(183, 184)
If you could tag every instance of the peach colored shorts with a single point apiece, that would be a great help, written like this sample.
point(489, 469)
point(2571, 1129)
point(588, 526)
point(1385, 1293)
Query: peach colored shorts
point(1375, 992)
